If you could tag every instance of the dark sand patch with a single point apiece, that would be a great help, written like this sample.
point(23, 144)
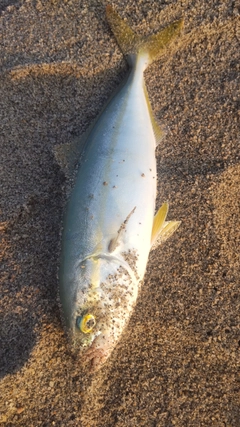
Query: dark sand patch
point(226, 200)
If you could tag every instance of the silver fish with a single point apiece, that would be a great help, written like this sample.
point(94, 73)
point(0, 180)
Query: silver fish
point(109, 225)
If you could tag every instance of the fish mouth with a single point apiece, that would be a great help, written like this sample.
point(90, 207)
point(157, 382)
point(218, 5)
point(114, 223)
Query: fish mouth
point(94, 358)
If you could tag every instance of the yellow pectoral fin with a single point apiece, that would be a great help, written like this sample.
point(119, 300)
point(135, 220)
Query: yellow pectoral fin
point(159, 221)
point(168, 229)
point(162, 229)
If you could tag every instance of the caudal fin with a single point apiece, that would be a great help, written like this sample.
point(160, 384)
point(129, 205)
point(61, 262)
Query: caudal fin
point(133, 45)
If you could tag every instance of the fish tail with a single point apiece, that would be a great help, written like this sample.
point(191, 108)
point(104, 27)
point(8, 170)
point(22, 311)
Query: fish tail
point(133, 45)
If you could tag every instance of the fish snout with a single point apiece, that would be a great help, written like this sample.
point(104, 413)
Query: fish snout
point(94, 358)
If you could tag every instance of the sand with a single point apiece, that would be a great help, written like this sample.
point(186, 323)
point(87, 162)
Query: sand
point(177, 364)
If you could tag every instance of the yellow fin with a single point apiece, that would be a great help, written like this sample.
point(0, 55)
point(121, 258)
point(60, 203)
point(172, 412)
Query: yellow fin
point(159, 221)
point(159, 133)
point(126, 38)
point(167, 230)
point(162, 229)
point(155, 44)
point(133, 45)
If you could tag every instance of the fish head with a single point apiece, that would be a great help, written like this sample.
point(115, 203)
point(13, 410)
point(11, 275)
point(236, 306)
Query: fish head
point(104, 299)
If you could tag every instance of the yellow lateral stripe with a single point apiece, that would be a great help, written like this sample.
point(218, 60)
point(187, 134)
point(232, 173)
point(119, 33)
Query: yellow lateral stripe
point(158, 221)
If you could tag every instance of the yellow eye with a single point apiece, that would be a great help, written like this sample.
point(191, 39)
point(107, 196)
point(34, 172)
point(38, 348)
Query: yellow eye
point(86, 323)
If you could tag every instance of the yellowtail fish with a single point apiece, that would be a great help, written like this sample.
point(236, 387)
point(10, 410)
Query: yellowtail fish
point(109, 226)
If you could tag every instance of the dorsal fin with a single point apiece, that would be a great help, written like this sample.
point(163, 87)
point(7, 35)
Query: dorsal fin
point(158, 132)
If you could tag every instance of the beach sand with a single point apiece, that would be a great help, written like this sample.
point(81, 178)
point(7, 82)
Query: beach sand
point(177, 363)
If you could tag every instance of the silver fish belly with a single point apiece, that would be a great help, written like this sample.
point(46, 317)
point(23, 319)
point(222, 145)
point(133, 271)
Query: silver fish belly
point(109, 220)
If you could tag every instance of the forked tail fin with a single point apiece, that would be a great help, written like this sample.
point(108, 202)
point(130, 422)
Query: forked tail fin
point(133, 45)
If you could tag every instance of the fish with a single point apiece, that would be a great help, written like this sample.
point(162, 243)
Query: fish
point(110, 224)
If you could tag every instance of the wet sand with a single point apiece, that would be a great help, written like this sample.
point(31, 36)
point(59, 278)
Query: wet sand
point(177, 364)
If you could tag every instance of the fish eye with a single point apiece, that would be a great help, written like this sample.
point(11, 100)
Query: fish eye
point(86, 323)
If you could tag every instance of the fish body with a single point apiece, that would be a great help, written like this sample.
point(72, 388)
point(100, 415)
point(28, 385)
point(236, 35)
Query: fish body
point(108, 225)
